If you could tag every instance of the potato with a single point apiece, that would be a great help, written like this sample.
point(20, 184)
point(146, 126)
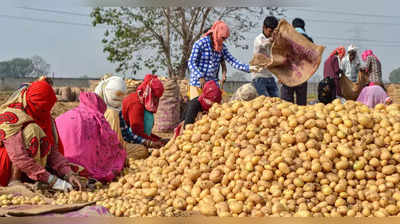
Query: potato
point(216, 175)
point(207, 209)
point(264, 157)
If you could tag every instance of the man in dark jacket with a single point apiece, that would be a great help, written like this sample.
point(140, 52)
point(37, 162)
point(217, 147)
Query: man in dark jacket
point(287, 93)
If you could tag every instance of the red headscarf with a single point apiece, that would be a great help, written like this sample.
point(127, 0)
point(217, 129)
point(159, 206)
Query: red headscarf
point(220, 32)
point(340, 51)
point(149, 92)
point(211, 92)
point(367, 53)
point(40, 99)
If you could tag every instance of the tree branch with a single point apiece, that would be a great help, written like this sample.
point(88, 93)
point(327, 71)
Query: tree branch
point(168, 16)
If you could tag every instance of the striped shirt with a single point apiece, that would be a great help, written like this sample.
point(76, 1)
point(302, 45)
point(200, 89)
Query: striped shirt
point(204, 61)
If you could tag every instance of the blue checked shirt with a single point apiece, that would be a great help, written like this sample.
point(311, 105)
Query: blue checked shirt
point(127, 133)
point(204, 61)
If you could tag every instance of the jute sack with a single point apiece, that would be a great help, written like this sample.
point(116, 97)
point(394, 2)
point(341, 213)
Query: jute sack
point(66, 94)
point(351, 90)
point(56, 90)
point(294, 59)
point(168, 112)
point(393, 90)
point(136, 151)
point(76, 91)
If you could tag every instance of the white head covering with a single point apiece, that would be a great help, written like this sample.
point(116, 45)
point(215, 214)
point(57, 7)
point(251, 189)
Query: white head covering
point(352, 48)
point(112, 90)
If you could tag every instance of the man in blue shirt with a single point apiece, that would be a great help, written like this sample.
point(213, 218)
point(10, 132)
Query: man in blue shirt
point(206, 57)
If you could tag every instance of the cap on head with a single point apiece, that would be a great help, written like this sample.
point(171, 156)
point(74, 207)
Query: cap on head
point(352, 48)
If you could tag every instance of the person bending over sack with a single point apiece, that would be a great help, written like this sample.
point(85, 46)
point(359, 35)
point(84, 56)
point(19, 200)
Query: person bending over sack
point(89, 140)
point(29, 141)
point(373, 95)
point(137, 115)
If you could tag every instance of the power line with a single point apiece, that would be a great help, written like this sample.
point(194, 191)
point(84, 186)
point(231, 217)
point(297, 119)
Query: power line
point(349, 39)
point(43, 20)
point(54, 11)
point(374, 45)
point(345, 13)
point(356, 39)
point(350, 22)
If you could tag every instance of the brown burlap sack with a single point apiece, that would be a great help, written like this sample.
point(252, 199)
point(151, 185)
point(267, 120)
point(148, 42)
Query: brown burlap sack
point(56, 90)
point(93, 84)
point(168, 112)
point(393, 90)
point(136, 151)
point(66, 94)
point(294, 59)
point(76, 91)
point(351, 90)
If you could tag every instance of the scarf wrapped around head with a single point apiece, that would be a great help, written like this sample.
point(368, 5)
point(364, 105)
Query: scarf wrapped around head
point(112, 90)
point(40, 99)
point(150, 92)
point(31, 104)
point(367, 53)
point(211, 92)
point(220, 32)
point(340, 51)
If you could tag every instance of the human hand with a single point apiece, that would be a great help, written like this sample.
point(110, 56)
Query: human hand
point(254, 68)
point(59, 184)
point(75, 181)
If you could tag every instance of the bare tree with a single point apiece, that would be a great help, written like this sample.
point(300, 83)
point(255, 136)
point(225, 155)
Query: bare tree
point(162, 38)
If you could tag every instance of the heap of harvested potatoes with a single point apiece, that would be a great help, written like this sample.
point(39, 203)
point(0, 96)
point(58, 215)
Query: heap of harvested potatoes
point(267, 157)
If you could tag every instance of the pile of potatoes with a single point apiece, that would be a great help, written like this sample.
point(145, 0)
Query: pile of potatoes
point(132, 83)
point(267, 157)
point(10, 200)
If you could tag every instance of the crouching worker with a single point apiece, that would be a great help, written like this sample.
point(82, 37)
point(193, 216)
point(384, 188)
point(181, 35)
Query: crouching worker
point(112, 90)
point(137, 115)
point(373, 95)
point(211, 94)
point(29, 141)
point(326, 90)
point(89, 140)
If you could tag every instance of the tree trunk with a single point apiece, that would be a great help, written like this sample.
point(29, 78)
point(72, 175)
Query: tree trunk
point(181, 72)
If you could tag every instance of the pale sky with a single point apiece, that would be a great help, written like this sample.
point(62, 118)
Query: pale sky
point(76, 50)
